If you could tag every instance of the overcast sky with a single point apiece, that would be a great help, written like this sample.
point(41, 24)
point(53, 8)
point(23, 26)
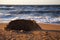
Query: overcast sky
point(30, 2)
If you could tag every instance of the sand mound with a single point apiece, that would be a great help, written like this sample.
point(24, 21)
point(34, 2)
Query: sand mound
point(21, 24)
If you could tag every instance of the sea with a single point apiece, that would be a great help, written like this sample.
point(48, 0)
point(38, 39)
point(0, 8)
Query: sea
point(40, 13)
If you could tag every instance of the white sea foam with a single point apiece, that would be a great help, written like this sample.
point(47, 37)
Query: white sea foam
point(38, 19)
point(44, 18)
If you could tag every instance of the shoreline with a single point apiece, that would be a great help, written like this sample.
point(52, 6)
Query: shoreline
point(43, 26)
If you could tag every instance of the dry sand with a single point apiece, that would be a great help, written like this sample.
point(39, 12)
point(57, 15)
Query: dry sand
point(42, 25)
point(35, 35)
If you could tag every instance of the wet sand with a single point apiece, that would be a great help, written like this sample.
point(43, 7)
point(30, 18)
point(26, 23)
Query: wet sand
point(49, 26)
point(42, 25)
point(2, 25)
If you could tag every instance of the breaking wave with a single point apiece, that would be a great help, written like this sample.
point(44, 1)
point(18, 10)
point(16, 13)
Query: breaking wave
point(43, 14)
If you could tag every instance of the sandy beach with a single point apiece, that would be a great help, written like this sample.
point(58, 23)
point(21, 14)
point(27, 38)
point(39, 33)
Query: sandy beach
point(34, 35)
point(49, 26)
point(42, 25)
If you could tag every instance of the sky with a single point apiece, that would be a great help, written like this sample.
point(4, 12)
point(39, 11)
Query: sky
point(30, 2)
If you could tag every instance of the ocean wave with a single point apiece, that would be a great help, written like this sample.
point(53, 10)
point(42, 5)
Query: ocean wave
point(38, 19)
point(44, 14)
